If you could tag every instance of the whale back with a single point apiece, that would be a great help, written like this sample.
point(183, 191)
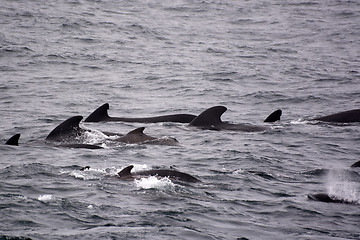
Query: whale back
point(342, 117)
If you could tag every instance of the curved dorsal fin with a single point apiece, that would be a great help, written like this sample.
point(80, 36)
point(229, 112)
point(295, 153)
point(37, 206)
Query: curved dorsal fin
point(126, 171)
point(357, 164)
point(99, 114)
point(274, 116)
point(69, 126)
point(211, 116)
point(139, 130)
point(14, 140)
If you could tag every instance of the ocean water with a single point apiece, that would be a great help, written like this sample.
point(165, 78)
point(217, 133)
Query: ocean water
point(59, 59)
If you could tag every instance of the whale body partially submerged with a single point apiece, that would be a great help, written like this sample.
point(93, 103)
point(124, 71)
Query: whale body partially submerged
point(350, 116)
point(324, 197)
point(126, 174)
point(211, 119)
point(101, 115)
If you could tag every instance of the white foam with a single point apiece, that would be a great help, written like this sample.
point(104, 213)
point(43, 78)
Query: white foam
point(300, 121)
point(139, 167)
point(153, 182)
point(340, 186)
point(94, 136)
point(46, 198)
point(88, 174)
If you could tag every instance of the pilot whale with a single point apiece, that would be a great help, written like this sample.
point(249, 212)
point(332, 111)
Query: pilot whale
point(126, 174)
point(101, 115)
point(323, 197)
point(69, 130)
point(341, 117)
point(211, 119)
point(14, 140)
point(355, 165)
point(138, 136)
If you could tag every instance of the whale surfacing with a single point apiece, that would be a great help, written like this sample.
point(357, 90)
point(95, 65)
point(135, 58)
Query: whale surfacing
point(211, 119)
point(68, 129)
point(126, 174)
point(138, 136)
point(350, 116)
point(323, 197)
point(101, 115)
point(14, 140)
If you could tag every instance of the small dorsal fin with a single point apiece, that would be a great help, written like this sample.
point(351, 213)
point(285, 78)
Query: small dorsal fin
point(14, 140)
point(274, 116)
point(69, 126)
point(99, 114)
point(357, 164)
point(126, 171)
point(209, 117)
point(139, 130)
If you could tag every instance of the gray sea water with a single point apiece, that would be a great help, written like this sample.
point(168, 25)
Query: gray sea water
point(145, 58)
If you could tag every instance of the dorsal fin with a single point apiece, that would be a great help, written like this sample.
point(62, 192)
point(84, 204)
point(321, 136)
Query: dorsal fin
point(99, 114)
point(14, 140)
point(126, 171)
point(357, 164)
point(139, 130)
point(69, 126)
point(209, 117)
point(273, 117)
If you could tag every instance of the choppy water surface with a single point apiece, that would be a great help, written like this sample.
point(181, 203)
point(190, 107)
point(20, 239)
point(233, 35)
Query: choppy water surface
point(64, 58)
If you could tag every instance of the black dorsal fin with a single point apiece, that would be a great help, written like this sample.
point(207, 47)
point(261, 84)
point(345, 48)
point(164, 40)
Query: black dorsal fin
point(14, 140)
point(139, 130)
point(69, 126)
point(274, 116)
point(99, 114)
point(126, 171)
point(209, 117)
point(357, 164)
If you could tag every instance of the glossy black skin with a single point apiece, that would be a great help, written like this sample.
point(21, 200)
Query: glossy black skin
point(69, 130)
point(126, 174)
point(101, 115)
point(341, 117)
point(357, 164)
point(138, 136)
point(211, 119)
point(14, 140)
point(323, 197)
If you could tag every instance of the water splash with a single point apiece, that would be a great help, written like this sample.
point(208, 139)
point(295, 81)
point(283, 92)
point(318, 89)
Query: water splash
point(339, 185)
point(153, 182)
point(46, 198)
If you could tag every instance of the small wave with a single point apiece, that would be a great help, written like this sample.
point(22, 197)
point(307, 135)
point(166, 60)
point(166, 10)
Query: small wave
point(90, 174)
